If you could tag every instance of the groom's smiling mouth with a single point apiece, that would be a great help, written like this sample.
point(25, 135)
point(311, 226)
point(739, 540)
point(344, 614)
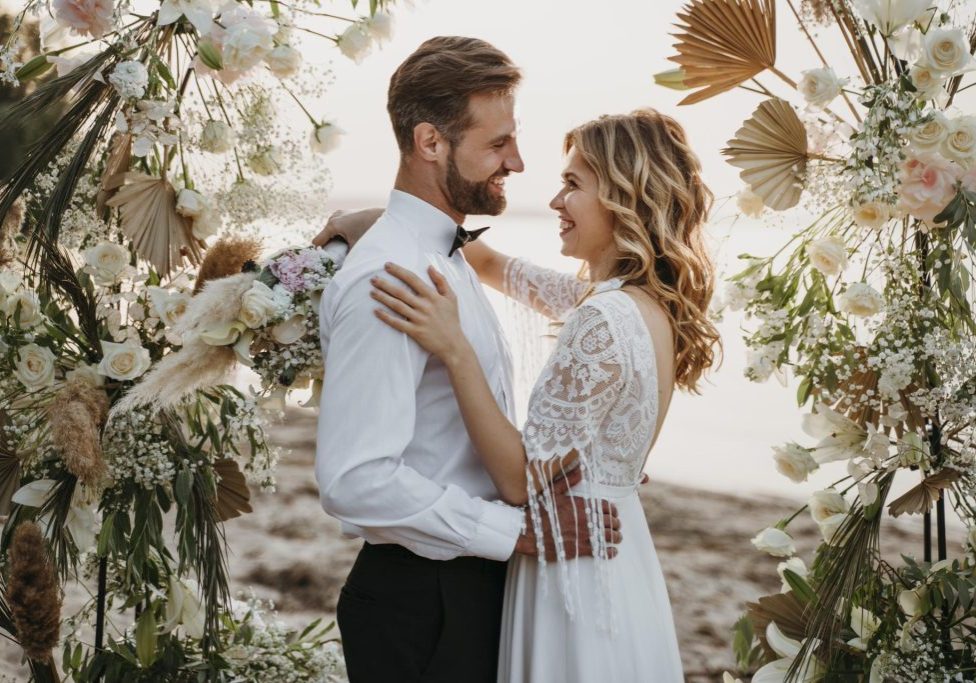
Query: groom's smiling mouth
point(498, 185)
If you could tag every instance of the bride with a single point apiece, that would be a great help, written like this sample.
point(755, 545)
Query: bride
point(632, 208)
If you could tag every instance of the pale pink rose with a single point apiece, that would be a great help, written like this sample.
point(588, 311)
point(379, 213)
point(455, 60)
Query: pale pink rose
point(969, 179)
point(93, 17)
point(928, 183)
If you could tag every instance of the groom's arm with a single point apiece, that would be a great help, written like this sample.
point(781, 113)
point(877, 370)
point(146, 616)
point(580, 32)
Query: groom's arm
point(366, 420)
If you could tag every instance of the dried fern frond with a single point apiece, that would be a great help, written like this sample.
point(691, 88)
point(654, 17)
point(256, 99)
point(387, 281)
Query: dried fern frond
point(723, 43)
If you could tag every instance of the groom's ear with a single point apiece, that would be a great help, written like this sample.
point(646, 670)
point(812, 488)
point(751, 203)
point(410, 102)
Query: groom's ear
point(428, 143)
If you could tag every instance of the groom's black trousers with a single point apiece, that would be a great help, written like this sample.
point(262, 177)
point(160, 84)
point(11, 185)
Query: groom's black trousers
point(407, 619)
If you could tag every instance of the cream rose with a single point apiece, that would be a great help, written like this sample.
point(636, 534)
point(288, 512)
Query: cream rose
point(960, 144)
point(861, 299)
point(258, 305)
point(749, 203)
point(774, 541)
point(24, 309)
point(284, 61)
point(380, 27)
point(247, 41)
point(125, 361)
point(828, 255)
point(872, 215)
point(217, 137)
point(946, 50)
point(929, 136)
point(169, 306)
point(794, 461)
point(355, 42)
point(108, 263)
point(928, 183)
point(929, 84)
point(35, 367)
point(820, 86)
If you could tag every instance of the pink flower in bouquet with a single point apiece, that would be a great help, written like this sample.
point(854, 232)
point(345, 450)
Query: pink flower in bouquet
point(93, 17)
point(290, 268)
point(928, 183)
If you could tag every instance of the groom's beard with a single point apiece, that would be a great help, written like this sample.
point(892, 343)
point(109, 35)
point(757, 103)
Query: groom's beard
point(470, 198)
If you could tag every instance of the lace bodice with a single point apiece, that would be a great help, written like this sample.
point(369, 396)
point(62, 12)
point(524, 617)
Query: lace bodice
point(598, 393)
point(550, 292)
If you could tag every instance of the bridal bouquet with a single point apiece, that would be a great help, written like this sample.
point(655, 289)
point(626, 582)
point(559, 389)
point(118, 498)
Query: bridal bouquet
point(870, 307)
point(128, 291)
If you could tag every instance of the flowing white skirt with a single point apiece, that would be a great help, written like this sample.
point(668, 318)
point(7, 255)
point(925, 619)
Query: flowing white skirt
point(542, 643)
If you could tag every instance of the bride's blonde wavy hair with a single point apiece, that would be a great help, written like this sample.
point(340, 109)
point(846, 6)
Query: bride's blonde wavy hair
point(650, 180)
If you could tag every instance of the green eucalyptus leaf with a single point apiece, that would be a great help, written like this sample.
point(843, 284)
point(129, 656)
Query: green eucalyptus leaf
point(146, 638)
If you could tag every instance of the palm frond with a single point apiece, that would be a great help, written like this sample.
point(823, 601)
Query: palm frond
point(920, 498)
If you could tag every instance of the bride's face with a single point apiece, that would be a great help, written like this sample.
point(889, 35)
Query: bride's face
point(586, 226)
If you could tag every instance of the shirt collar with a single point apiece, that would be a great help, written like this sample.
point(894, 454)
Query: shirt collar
point(435, 228)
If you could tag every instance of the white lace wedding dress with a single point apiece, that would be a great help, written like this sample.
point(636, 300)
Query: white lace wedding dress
point(590, 620)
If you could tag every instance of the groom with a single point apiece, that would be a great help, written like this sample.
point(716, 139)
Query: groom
point(394, 463)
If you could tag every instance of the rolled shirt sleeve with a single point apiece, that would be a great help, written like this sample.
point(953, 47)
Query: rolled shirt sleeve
point(366, 421)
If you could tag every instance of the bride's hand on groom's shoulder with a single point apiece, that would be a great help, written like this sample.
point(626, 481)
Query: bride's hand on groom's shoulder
point(347, 225)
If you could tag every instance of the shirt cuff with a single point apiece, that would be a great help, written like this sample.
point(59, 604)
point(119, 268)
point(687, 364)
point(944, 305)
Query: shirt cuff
point(498, 532)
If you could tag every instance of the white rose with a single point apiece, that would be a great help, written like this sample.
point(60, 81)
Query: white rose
point(355, 42)
point(947, 50)
point(267, 161)
point(258, 305)
point(914, 603)
point(828, 255)
point(284, 61)
point(820, 86)
point(929, 136)
point(861, 299)
point(123, 361)
point(795, 565)
point(380, 27)
point(749, 203)
point(169, 306)
point(929, 84)
point(960, 143)
point(29, 314)
point(108, 262)
point(775, 542)
point(35, 367)
point(190, 203)
point(130, 79)
point(289, 331)
point(325, 138)
point(891, 15)
point(872, 215)
point(825, 503)
point(207, 224)
point(794, 461)
point(217, 137)
point(247, 42)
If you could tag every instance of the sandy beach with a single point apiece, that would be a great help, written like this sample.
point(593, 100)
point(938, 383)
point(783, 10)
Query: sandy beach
point(288, 550)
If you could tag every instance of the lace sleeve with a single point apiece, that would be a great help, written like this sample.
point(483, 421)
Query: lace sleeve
point(580, 383)
point(551, 293)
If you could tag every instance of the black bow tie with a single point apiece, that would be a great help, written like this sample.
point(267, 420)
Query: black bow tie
point(464, 237)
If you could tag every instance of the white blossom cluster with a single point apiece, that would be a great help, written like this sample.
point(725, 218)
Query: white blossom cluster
point(137, 450)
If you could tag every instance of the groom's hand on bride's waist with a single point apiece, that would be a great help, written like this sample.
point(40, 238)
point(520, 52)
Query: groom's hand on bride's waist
point(572, 516)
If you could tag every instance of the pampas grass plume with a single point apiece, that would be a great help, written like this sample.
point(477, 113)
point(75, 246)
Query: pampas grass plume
point(32, 592)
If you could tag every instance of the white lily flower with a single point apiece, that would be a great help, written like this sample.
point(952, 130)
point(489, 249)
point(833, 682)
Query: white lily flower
point(81, 522)
point(198, 12)
point(865, 624)
point(840, 437)
point(787, 649)
point(183, 606)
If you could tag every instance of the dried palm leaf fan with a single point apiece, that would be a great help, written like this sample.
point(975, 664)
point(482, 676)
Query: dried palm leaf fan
point(920, 498)
point(159, 234)
point(723, 43)
point(771, 150)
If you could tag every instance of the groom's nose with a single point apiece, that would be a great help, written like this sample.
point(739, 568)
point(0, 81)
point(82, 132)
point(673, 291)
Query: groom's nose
point(514, 163)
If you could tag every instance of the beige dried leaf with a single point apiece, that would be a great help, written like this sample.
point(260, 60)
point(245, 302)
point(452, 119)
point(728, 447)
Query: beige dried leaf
point(920, 499)
point(117, 165)
point(233, 496)
point(771, 149)
point(785, 609)
point(149, 218)
point(722, 43)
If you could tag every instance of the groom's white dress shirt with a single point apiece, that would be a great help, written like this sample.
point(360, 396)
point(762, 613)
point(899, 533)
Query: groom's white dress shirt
point(394, 462)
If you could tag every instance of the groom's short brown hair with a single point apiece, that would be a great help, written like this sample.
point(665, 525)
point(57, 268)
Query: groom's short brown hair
point(434, 84)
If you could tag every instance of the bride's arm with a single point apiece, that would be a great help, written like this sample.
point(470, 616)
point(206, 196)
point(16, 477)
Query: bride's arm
point(432, 322)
